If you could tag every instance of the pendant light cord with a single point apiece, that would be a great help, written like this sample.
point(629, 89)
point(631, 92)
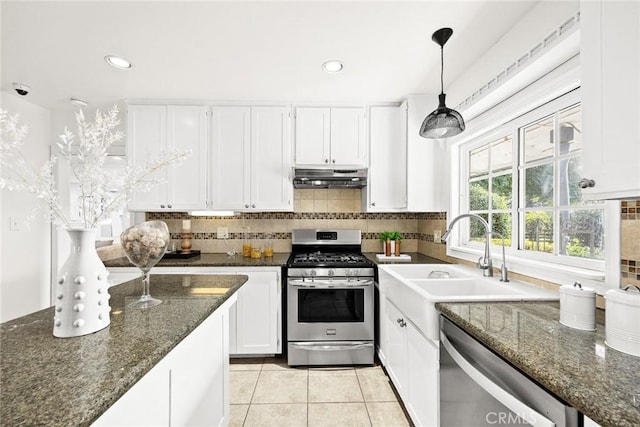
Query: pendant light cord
point(441, 69)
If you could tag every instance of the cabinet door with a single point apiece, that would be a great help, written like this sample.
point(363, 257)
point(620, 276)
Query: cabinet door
point(230, 157)
point(427, 161)
point(424, 366)
point(199, 374)
point(146, 138)
point(313, 136)
point(258, 314)
point(271, 185)
point(187, 182)
point(387, 159)
point(348, 145)
point(610, 58)
point(396, 349)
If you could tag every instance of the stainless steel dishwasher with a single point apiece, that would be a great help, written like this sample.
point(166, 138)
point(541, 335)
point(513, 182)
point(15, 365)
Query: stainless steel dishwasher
point(478, 388)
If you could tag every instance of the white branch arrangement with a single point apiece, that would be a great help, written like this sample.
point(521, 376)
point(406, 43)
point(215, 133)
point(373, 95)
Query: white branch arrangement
point(102, 192)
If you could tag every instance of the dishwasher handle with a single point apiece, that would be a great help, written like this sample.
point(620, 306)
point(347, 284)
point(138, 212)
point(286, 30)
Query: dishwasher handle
point(536, 419)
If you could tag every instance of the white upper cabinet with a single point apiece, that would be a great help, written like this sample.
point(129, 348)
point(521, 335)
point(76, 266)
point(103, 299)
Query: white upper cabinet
point(155, 130)
point(271, 163)
point(387, 187)
point(406, 172)
point(146, 136)
point(230, 157)
point(251, 159)
point(427, 160)
point(610, 66)
point(330, 136)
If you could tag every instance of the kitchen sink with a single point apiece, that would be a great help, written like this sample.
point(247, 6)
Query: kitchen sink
point(409, 287)
point(468, 288)
point(422, 271)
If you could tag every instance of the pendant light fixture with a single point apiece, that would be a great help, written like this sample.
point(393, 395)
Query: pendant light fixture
point(443, 122)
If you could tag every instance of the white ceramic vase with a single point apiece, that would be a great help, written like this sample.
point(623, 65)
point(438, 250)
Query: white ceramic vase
point(81, 290)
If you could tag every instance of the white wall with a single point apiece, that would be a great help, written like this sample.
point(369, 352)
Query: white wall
point(545, 17)
point(25, 257)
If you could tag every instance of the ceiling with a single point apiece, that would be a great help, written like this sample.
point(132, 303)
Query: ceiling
point(260, 51)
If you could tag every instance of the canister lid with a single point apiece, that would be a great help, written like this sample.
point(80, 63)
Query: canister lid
point(629, 295)
point(578, 290)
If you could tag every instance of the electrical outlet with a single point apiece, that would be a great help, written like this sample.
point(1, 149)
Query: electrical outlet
point(436, 236)
point(14, 224)
point(223, 233)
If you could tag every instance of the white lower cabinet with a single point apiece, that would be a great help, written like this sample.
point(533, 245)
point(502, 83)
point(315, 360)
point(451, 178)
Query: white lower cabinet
point(188, 387)
point(412, 362)
point(258, 315)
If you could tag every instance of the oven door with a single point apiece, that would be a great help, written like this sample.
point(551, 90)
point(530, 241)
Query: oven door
point(330, 310)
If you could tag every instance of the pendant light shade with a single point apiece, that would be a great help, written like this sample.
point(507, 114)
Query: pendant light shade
point(443, 122)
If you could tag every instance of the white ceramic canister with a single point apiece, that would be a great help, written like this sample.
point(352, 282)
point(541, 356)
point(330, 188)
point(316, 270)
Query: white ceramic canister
point(622, 319)
point(578, 307)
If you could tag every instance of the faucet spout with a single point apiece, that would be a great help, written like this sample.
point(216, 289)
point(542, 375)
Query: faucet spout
point(485, 263)
point(504, 273)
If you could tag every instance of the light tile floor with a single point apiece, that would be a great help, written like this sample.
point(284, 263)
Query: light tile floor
point(267, 392)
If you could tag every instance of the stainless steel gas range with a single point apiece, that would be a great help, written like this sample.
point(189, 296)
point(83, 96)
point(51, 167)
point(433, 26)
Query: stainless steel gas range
point(330, 288)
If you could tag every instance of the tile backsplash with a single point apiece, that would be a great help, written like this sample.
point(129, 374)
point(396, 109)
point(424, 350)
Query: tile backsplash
point(630, 242)
point(322, 208)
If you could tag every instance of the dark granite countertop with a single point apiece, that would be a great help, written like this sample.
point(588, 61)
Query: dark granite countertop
point(211, 260)
point(575, 365)
point(278, 260)
point(72, 381)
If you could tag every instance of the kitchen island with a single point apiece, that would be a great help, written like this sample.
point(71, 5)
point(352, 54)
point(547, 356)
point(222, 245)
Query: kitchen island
point(73, 381)
point(576, 366)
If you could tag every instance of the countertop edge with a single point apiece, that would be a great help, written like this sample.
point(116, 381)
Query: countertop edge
point(583, 402)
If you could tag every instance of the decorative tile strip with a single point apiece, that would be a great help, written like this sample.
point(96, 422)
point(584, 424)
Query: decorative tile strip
point(305, 215)
point(630, 269)
point(630, 210)
point(234, 236)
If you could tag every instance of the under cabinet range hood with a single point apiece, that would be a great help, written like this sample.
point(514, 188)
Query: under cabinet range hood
point(329, 178)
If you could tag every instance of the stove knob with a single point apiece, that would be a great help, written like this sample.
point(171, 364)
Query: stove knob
point(331, 272)
point(313, 273)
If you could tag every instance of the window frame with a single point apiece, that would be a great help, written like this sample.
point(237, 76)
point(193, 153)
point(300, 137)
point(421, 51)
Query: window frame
point(557, 269)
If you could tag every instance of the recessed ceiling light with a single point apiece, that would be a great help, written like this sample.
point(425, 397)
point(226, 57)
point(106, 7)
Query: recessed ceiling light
point(333, 66)
point(118, 62)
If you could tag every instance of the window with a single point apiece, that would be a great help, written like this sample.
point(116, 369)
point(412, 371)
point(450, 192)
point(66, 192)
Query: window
point(522, 178)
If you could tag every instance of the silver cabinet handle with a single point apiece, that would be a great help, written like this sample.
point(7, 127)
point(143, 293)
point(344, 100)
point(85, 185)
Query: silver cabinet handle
point(333, 161)
point(373, 203)
point(253, 206)
point(162, 206)
point(587, 183)
point(326, 160)
point(169, 206)
point(246, 205)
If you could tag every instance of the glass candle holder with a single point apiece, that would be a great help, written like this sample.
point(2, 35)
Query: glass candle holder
point(246, 244)
point(268, 246)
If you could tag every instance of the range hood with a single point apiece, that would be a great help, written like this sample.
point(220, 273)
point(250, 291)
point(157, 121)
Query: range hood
point(329, 178)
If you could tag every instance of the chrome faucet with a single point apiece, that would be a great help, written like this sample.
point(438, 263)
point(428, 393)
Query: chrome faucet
point(485, 263)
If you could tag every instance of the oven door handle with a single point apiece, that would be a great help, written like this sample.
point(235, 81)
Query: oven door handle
point(319, 346)
point(327, 284)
